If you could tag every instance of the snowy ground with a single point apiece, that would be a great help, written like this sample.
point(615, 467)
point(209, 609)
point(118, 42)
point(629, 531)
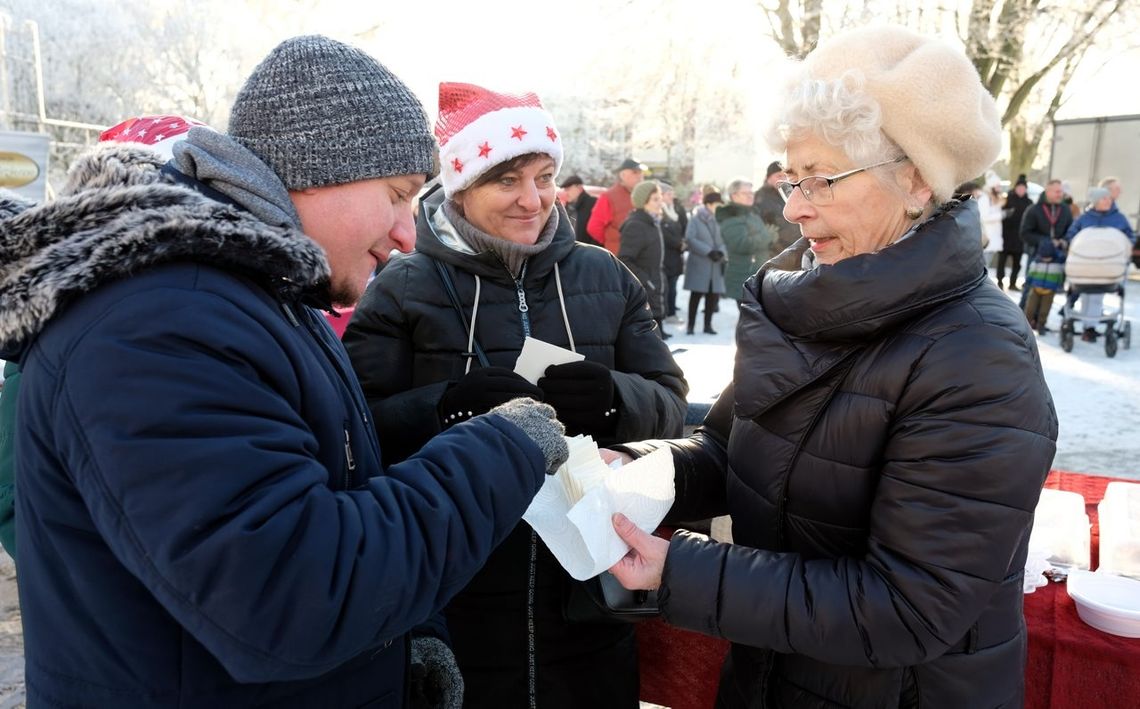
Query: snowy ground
point(1097, 398)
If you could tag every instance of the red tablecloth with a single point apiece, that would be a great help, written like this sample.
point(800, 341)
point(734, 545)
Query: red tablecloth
point(1069, 665)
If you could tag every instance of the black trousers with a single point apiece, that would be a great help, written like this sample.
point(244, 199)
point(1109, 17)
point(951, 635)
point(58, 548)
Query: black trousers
point(671, 295)
point(711, 300)
point(1014, 269)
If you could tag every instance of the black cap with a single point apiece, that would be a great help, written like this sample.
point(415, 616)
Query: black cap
point(773, 168)
point(1021, 181)
point(711, 198)
point(631, 164)
point(571, 181)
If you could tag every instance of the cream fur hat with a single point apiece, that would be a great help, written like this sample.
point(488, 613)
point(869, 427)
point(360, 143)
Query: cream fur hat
point(933, 103)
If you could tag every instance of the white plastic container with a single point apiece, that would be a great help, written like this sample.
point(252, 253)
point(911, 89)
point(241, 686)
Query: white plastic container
point(1119, 513)
point(1107, 602)
point(1061, 526)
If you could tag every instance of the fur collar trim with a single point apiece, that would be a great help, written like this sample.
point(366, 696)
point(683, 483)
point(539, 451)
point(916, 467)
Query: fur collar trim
point(119, 216)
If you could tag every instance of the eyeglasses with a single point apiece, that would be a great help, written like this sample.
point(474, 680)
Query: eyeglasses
point(817, 188)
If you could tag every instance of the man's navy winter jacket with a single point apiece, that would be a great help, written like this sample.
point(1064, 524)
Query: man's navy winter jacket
point(202, 517)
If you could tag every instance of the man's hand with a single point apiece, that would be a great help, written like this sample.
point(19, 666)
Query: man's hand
point(641, 568)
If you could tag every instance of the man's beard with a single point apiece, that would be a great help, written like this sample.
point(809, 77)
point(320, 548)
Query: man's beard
point(344, 294)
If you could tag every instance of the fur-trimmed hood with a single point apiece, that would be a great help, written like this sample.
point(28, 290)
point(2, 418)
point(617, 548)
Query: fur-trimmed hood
point(118, 215)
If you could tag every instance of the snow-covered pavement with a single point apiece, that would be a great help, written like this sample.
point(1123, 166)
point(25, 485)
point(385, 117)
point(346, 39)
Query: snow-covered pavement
point(1097, 398)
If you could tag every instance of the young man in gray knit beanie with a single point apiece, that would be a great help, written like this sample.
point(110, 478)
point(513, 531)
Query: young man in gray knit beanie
point(348, 146)
point(205, 519)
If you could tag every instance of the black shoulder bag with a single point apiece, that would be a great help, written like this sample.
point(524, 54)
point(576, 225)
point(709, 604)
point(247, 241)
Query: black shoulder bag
point(454, 298)
point(603, 599)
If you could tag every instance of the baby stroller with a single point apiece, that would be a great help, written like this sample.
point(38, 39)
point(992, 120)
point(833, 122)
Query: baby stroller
point(1097, 264)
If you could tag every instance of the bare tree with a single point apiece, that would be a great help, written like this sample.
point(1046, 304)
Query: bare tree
point(660, 91)
point(794, 24)
point(1025, 51)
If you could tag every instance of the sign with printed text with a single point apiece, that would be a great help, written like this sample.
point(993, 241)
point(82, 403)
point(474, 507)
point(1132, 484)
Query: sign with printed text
point(24, 163)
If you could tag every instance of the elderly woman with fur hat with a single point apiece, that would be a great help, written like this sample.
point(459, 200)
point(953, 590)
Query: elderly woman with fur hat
point(435, 340)
point(885, 438)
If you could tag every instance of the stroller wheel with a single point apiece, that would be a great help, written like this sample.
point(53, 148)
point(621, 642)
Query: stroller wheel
point(1110, 341)
point(1067, 335)
point(1126, 336)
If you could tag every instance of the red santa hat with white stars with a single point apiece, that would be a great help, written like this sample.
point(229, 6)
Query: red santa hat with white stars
point(159, 133)
point(479, 129)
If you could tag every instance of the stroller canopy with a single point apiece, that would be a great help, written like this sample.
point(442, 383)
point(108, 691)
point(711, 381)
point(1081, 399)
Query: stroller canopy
point(1098, 256)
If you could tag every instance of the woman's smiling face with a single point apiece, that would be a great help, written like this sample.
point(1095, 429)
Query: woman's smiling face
point(516, 205)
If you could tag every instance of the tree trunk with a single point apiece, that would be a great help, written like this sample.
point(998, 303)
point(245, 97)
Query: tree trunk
point(1023, 146)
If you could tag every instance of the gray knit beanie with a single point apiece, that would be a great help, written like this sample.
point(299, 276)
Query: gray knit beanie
point(320, 112)
point(642, 192)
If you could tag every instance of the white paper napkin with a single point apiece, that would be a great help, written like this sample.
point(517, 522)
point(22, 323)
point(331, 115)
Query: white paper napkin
point(573, 511)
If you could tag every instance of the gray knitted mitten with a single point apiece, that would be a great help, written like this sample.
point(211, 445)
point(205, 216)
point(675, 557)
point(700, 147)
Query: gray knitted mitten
point(538, 421)
point(435, 679)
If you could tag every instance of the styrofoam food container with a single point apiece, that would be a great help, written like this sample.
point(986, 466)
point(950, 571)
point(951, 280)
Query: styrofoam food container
point(1107, 602)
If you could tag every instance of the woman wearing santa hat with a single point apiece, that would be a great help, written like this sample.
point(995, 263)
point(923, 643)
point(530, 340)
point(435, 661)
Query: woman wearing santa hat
point(434, 342)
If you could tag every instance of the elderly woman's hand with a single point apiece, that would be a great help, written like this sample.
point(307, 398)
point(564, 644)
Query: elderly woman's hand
point(641, 568)
point(610, 456)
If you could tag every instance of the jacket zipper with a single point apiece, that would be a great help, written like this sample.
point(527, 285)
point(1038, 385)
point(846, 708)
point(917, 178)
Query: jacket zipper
point(523, 307)
point(531, 659)
point(842, 369)
point(346, 380)
point(348, 457)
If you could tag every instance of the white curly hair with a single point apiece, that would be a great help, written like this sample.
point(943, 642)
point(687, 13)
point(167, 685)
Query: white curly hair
point(839, 112)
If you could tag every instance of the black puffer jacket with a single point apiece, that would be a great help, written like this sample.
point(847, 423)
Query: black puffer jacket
point(406, 343)
point(673, 237)
point(1036, 227)
point(1014, 212)
point(643, 251)
point(881, 455)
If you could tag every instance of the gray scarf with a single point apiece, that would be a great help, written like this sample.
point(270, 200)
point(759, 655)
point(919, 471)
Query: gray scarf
point(512, 254)
point(229, 167)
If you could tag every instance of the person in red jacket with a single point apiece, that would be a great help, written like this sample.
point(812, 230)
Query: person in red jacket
point(614, 205)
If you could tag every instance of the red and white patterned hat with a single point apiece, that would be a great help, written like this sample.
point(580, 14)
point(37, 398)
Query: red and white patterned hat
point(479, 129)
point(159, 133)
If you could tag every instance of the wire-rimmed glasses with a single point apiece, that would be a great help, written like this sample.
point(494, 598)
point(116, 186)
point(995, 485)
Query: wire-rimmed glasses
point(817, 188)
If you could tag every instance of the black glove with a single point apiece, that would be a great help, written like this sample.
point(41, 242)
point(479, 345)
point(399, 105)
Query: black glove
point(716, 255)
point(480, 390)
point(583, 395)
